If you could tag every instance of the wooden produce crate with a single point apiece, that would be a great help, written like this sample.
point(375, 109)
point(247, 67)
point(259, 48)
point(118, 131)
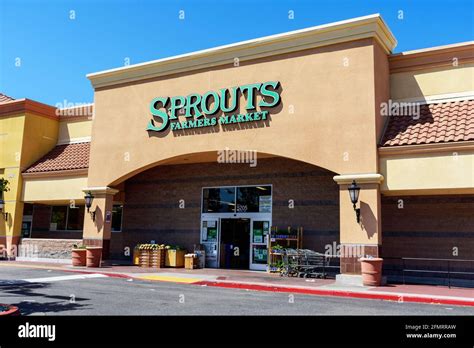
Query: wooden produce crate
point(191, 262)
point(144, 258)
point(174, 258)
point(157, 258)
point(136, 256)
point(154, 258)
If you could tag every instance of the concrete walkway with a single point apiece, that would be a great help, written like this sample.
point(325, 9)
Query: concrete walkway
point(262, 281)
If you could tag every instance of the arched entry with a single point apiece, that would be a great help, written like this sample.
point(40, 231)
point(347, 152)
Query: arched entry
point(176, 202)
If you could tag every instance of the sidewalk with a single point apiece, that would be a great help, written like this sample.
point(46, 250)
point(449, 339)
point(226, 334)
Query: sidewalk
point(262, 281)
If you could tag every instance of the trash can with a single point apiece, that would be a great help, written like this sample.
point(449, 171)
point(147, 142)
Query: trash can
point(201, 255)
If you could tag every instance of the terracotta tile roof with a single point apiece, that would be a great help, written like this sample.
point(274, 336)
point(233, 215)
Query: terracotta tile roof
point(5, 98)
point(63, 157)
point(438, 123)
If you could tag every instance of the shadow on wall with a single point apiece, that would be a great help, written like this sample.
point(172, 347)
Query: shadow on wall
point(99, 219)
point(368, 221)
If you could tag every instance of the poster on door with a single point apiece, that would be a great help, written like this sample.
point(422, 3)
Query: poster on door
point(265, 204)
point(257, 235)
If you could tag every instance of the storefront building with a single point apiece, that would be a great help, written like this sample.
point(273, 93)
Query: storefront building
point(215, 147)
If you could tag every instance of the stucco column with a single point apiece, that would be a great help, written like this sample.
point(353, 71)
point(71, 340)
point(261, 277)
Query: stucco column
point(97, 230)
point(12, 215)
point(10, 229)
point(359, 238)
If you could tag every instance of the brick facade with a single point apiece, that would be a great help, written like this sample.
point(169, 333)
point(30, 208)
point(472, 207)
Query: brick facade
point(151, 207)
point(428, 226)
point(434, 227)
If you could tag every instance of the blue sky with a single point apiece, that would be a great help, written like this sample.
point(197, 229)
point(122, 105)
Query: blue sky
point(45, 55)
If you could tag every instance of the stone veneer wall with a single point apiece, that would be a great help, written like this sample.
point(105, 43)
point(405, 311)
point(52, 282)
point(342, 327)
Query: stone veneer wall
point(47, 248)
point(151, 208)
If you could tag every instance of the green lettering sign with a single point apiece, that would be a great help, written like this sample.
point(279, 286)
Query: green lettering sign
point(195, 106)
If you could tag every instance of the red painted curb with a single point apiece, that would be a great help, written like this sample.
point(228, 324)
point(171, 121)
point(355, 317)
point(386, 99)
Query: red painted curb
point(316, 292)
point(338, 293)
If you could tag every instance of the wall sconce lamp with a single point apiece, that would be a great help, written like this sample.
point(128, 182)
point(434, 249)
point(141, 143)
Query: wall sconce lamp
point(354, 190)
point(89, 198)
point(2, 206)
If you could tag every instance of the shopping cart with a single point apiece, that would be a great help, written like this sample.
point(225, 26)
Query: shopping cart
point(303, 263)
point(290, 262)
point(312, 264)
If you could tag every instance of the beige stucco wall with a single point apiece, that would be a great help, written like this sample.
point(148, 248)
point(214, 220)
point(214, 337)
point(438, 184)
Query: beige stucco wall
point(368, 230)
point(39, 137)
point(61, 189)
point(428, 82)
point(381, 79)
point(330, 101)
point(74, 129)
point(447, 172)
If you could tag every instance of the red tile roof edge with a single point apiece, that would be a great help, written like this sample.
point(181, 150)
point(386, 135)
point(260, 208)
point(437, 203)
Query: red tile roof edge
point(64, 157)
point(438, 123)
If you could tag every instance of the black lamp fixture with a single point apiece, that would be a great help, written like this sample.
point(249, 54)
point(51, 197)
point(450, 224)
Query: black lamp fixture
point(2, 206)
point(354, 190)
point(89, 198)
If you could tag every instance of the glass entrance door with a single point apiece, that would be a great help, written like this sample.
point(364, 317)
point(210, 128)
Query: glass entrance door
point(221, 205)
point(234, 247)
point(258, 243)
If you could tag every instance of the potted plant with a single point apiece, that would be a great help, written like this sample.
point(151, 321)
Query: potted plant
point(93, 256)
point(4, 185)
point(6, 309)
point(371, 268)
point(275, 267)
point(78, 255)
point(174, 256)
point(276, 248)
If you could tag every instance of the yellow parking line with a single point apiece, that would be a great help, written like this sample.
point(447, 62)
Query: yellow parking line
point(11, 264)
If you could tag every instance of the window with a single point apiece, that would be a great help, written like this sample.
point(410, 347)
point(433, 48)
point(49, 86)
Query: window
point(28, 209)
point(219, 200)
point(240, 199)
point(58, 218)
point(254, 199)
point(117, 218)
point(75, 218)
point(67, 218)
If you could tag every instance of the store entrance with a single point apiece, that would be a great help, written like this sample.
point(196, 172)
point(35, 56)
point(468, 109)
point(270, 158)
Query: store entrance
point(235, 243)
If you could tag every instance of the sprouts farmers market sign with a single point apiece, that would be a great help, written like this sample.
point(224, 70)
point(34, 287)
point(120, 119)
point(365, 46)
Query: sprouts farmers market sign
point(224, 102)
